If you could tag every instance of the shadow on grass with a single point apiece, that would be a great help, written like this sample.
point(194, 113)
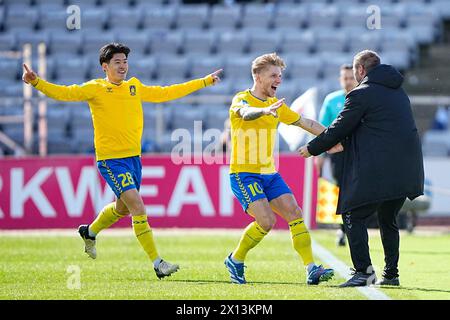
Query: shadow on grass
point(200, 281)
point(413, 289)
point(204, 281)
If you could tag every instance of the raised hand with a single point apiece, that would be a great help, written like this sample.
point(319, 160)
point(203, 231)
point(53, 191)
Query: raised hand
point(272, 109)
point(28, 74)
point(215, 76)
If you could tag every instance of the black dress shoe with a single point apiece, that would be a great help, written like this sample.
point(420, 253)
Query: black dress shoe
point(360, 279)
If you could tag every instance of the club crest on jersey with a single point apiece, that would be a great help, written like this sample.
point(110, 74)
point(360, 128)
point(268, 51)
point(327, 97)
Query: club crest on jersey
point(133, 90)
point(109, 90)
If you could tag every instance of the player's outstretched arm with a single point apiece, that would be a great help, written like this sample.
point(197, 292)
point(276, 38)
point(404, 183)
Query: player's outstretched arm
point(58, 92)
point(310, 125)
point(251, 113)
point(159, 94)
point(315, 128)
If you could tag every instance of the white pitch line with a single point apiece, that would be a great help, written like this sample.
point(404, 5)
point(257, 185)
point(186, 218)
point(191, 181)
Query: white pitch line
point(342, 269)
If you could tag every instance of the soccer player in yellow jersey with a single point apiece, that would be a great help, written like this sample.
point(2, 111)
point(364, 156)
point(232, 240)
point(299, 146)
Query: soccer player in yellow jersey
point(255, 114)
point(116, 108)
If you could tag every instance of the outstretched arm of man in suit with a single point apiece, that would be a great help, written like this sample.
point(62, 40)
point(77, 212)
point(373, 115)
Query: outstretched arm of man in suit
point(346, 122)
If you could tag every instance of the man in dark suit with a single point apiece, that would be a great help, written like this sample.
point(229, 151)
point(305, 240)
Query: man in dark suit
point(383, 162)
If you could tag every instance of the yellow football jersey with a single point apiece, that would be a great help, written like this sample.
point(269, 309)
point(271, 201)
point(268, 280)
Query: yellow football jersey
point(253, 141)
point(116, 110)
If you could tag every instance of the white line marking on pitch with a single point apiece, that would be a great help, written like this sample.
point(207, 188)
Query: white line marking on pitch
point(342, 269)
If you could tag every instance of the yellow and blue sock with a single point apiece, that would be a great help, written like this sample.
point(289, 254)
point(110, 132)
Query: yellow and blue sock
point(144, 234)
point(301, 240)
point(106, 218)
point(253, 235)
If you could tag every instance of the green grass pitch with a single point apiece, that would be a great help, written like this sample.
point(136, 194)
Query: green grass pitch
point(39, 266)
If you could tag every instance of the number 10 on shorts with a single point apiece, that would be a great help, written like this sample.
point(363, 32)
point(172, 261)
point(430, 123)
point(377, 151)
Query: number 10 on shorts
point(255, 188)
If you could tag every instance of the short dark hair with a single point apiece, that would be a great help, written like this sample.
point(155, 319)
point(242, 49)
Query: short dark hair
point(109, 50)
point(368, 59)
point(346, 66)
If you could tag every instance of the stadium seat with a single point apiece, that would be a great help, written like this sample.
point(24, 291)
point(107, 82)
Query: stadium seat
point(216, 116)
point(335, 41)
point(322, 16)
point(65, 43)
point(224, 18)
point(238, 67)
point(142, 68)
point(362, 41)
point(50, 5)
point(138, 42)
point(93, 19)
point(10, 68)
point(126, 20)
point(331, 63)
point(21, 17)
point(167, 43)
point(232, 42)
point(159, 17)
point(257, 17)
point(264, 42)
point(302, 67)
point(8, 41)
point(84, 4)
point(171, 67)
point(75, 68)
point(92, 42)
point(297, 42)
point(287, 17)
point(442, 7)
point(199, 43)
point(192, 17)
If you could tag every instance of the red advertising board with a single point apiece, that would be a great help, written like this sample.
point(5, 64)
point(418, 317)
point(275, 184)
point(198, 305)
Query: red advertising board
point(63, 192)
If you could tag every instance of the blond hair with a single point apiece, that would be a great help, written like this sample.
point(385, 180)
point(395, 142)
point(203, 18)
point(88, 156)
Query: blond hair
point(262, 62)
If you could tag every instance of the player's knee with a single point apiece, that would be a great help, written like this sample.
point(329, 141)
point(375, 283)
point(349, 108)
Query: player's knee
point(294, 212)
point(267, 223)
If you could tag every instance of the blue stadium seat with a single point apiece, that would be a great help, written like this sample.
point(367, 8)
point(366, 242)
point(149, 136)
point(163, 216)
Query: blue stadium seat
point(232, 42)
point(166, 42)
point(257, 16)
point(290, 17)
point(65, 43)
point(138, 42)
point(322, 16)
point(335, 41)
point(125, 20)
point(93, 19)
point(192, 16)
point(238, 68)
point(142, 68)
point(159, 17)
point(8, 41)
point(75, 68)
point(199, 43)
point(21, 17)
point(10, 68)
point(224, 18)
point(298, 42)
point(171, 67)
point(264, 42)
point(92, 42)
point(302, 67)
